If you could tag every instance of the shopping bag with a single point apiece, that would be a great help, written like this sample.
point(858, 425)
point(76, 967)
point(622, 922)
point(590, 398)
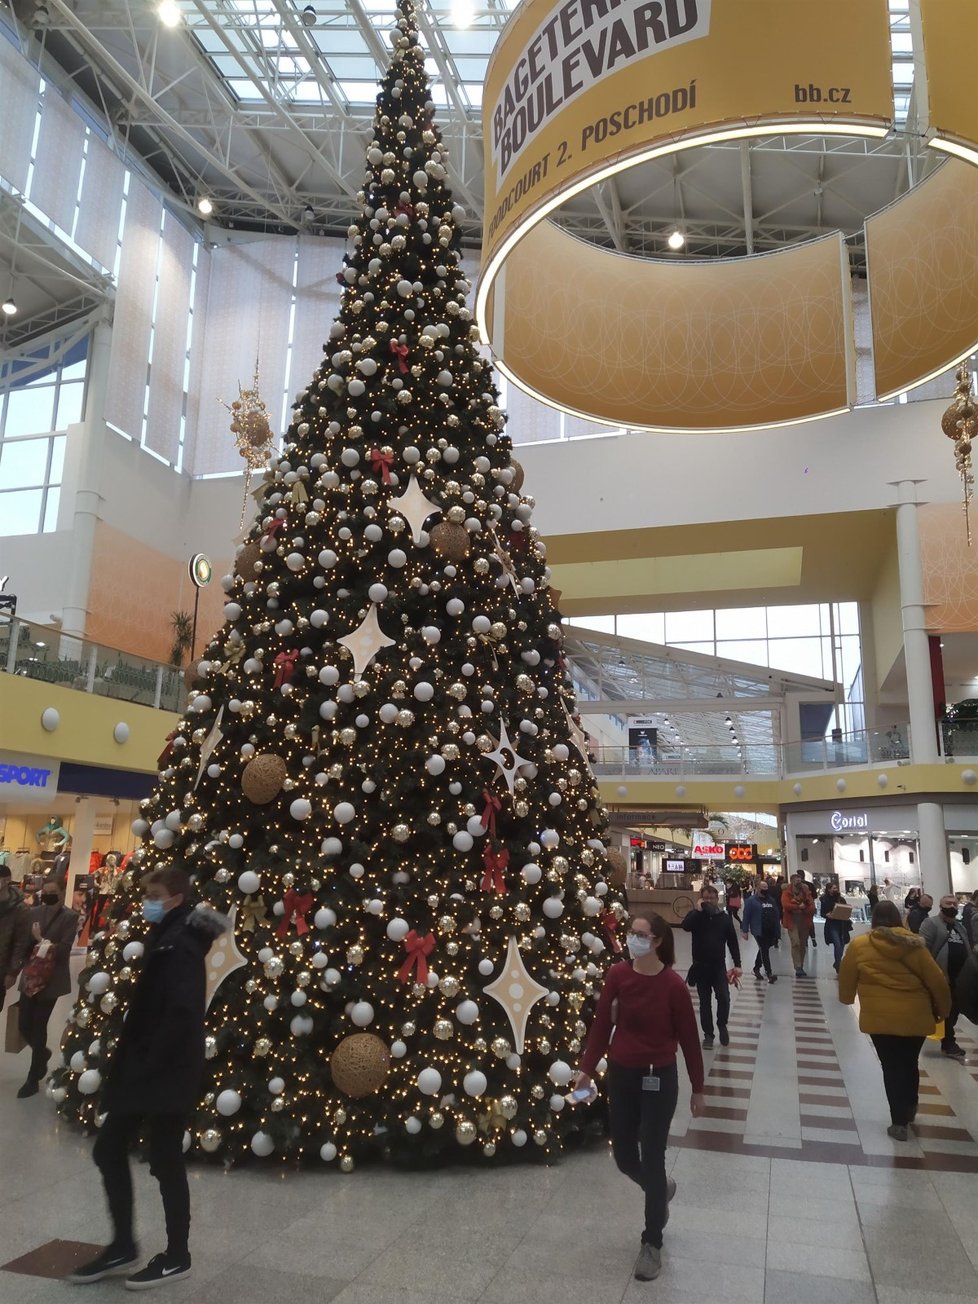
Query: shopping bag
point(13, 1042)
point(938, 1033)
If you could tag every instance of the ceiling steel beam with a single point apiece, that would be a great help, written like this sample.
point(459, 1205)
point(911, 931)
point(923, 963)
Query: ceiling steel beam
point(747, 193)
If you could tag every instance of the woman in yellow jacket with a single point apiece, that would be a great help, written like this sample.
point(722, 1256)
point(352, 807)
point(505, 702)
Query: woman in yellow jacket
point(903, 994)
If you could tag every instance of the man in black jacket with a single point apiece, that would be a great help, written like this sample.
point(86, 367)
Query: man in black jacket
point(155, 1077)
point(15, 933)
point(919, 911)
point(713, 933)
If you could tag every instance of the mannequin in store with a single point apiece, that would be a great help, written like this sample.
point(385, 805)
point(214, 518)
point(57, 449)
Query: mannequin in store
point(654, 1018)
point(53, 836)
point(51, 921)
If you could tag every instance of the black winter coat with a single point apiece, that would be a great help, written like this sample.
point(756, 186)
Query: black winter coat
point(158, 1063)
point(15, 933)
point(713, 936)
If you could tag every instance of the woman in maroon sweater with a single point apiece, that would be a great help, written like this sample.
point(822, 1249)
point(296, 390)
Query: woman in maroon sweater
point(653, 1016)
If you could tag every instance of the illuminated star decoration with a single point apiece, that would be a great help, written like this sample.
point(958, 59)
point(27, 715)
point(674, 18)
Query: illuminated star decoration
point(505, 560)
point(506, 757)
point(517, 991)
point(414, 507)
point(223, 958)
point(366, 641)
point(577, 735)
point(208, 745)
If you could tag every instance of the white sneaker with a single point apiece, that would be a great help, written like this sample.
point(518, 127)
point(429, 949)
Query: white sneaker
point(648, 1265)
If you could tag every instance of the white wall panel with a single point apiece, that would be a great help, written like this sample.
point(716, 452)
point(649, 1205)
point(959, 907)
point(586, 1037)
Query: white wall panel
point(98, 218)
point(134, 311)
point(317, 303)
point(170, 341)
point(57, 167)
point(20, 82)
point(248, 308)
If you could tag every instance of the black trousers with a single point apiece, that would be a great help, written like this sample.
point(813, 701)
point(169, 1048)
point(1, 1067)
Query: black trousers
point(166, 1163)
point(899, 1057)
point(708, 983)
point(952, 1018)
point(33, 1019)
point(640, 1123)
point(763, 957)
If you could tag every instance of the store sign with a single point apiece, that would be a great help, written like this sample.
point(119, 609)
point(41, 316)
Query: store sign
point(675, 867)
point(103, 826)
point(849, 821)
point(27, 778)
point(705, 847)
point(741, 853)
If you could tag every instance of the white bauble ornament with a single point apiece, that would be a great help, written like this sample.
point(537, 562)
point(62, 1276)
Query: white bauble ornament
point(398, 1049)
point(431, 634)
point(475, 1083)
point(262, 1145)
point(132, 951)
point(295, 561)
point(476, 827)
point(99, 983)
point(78, 1062)
point(485, 968)
point(276, 1086)
point(412, 1125)
point(531, 873)
point(398, 929)
point(549, 838)
point(435, 764)
point(377, 592)
point(323, 918)
point(519, 1137)
point(560, 1073)
point(462, 841)
point(163, 839)
point(591, 905)
point(553, 907)
point(228, 1103)
point(300, 809)
point(89, 1082)
point(344, 812)
point(327, 1152)
point(467, 1012)
point(424, 691)
point(429, 1082)
point(362, 1014)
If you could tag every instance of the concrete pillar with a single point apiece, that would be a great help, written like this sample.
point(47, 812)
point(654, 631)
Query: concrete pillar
point(88, 495)
point(935, 864)
point(82, 834)
point(916, 651)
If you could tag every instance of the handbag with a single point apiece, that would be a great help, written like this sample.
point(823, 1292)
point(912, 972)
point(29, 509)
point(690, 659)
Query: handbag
point(13, 1042)
point(39, 969)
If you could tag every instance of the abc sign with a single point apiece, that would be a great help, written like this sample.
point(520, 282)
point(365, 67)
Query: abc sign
point(740, 853)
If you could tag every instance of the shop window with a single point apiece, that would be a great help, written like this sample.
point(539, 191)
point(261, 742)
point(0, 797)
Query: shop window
point(804, 853)
point(911, 858)
point(862, 854)
point(965, 856)
point(886, 856)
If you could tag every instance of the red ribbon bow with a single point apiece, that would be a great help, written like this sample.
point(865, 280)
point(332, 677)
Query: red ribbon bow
point(163, 759)
point(609, 921)
point(297, 906)
point(400, 351)
point(381, 463)
point(418, 949)
point(493, 804)
point(495, 862)
point(285, 667)
point(273, 527)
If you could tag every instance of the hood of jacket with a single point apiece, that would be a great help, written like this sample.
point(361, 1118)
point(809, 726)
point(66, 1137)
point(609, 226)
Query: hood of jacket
point(895, 942)
point(11, 901)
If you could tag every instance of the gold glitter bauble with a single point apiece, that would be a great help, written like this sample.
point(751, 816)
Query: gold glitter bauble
point(443, 1029)
point(508, 1107)
point(500, 1047)
point(262, 1047)
point(262, 778)
point(437, 1119)
point(450, 540)
point(466, 1133)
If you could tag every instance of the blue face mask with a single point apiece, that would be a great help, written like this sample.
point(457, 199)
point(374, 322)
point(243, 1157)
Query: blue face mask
point(153, 911)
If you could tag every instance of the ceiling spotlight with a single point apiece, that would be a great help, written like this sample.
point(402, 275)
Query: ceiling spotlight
point(309, 213)
point(168, 12)
point(9, 307)
point(676, 240)
point(205, 206)
point(309, 16)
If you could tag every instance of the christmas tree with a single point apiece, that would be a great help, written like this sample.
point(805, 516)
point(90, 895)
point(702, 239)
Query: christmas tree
point(380, 778)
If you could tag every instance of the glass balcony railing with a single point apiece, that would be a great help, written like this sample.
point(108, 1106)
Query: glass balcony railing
point(45, 653)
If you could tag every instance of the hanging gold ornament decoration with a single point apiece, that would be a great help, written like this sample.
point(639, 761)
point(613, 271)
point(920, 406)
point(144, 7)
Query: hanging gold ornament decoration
point(960, 423)
point(252, 430)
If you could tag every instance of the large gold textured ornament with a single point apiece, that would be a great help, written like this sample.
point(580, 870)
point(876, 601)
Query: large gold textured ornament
point(251, 427)
point(262, 778)
point(360, 1064)
point(960, 423)
point(449, 540)
point(518, 474)
point(244, 563)
point(619, 867)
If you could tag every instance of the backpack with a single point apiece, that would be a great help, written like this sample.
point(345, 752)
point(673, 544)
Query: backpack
point(769, 921)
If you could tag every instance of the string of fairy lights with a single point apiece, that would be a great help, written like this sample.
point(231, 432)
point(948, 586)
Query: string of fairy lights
point(379, 777)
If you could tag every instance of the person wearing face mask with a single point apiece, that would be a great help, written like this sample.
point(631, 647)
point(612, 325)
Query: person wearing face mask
point(154, 1078)
point(654, 1018)
point(53, 929)
point(947, 941)
point(713, 935)
point(919, 911)
point(763, 923)
point(798, 911)
point(15, 933)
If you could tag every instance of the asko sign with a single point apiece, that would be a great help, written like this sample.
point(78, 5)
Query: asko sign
point(705, 848)
point(741, 853)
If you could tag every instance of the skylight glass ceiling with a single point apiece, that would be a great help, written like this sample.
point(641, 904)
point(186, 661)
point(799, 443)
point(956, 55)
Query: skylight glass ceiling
point(262, 49)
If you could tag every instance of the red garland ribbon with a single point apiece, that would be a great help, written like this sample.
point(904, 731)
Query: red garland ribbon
point(164, 757)
point(273, 527)
point(284, 665)
point(609, 921)
point(493, 804)
point(382, 463)
point(418, 949)
point(297, 906)
point(400, 351)
point(495, 862)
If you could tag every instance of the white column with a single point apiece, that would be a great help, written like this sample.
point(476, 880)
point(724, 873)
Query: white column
point(935, 864)
point(916, 651)
point(88, 495)
point(82, 833)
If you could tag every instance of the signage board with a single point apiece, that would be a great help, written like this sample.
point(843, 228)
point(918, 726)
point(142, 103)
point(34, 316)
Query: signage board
point(26, 778)
point(675, 867)
point(741, 853)
point(849, 821)
point(706, 847)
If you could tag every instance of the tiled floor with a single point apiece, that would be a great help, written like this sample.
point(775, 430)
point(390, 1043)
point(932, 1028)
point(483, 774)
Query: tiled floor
point(790, 1192)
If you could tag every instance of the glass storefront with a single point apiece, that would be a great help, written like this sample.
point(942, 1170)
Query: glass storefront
point(862, 859)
